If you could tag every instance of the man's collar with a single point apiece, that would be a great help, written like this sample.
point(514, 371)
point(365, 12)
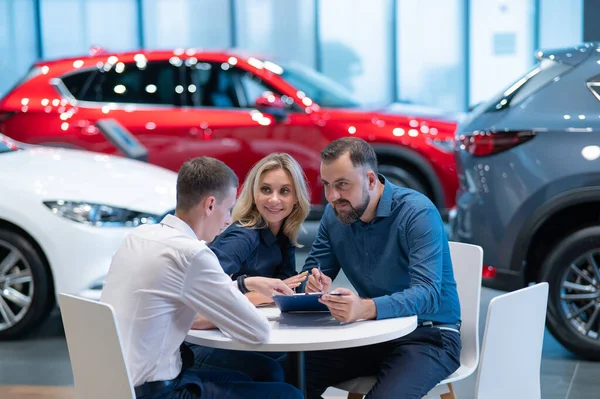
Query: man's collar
point(179, 225)
point(384, 207)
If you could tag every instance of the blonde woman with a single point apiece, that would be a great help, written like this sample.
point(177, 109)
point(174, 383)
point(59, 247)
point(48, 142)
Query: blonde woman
point(261, 241)
point(267, 218)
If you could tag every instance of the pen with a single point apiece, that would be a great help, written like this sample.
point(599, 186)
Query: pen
point(319, 269)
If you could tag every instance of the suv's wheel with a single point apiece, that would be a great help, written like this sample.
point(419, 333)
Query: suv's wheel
point(572, 270)
point(403, 178)
point(24, 286)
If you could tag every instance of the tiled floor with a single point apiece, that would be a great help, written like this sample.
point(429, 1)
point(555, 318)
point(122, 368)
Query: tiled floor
point(43, 360)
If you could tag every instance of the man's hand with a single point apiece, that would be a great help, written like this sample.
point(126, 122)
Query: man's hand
point(202, 323)
point(348, 307)
point(267, 286)
point(296, 280)
point(318, 282)
point(259, 299)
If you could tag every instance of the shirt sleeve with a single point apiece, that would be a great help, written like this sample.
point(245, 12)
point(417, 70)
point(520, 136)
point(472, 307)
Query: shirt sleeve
point(233, 247)
point(425, 236)
point(321, 252)
point(211, 293)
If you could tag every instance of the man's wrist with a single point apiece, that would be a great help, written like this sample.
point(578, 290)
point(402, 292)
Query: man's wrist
point(250, 283)
point(241, 282)
point(368, 309)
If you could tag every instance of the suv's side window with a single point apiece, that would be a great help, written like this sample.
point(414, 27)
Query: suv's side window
point(218, 85)
point(78, 83)
point(157, 83)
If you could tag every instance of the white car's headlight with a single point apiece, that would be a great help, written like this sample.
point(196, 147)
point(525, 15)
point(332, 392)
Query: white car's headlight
point(100, 215)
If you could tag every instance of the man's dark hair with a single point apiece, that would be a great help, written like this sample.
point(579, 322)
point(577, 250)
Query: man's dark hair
point(201, 177)
point(361, 153)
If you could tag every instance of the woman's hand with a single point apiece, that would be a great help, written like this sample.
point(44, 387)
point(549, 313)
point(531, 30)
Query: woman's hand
point(267, 286)
point(296, 281)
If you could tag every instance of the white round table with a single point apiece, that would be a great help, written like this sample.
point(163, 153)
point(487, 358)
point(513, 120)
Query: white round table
point(296, 333)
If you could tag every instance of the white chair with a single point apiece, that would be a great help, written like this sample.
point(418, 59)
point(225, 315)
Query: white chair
point(511, 353)
point(467, 261)
point(95, 349)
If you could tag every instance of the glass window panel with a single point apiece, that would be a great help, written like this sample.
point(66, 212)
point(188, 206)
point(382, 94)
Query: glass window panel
point(501, 45)
point(260, 28)
point(17, 41)
point(356, 46)
point(71, 27)
point(112, 24)
point(431, 53)
point(186, 24)
point(567, 32)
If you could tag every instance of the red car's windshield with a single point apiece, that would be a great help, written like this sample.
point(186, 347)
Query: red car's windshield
point(319, 88)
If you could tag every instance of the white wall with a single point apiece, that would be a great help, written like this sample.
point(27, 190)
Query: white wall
point(170, 24)
point(356, 46)
point(71, 27)
point(561, 23)
point(502, 48)
point(431, 53)
point(280, 28)
point(17, 41)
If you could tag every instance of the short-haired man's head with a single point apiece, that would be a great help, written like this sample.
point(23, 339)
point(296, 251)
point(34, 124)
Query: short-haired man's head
point(360, 152)
point(201, 177)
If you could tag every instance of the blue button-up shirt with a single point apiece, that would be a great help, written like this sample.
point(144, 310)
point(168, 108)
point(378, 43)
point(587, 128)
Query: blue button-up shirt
point(255, 252)
point(401, 259)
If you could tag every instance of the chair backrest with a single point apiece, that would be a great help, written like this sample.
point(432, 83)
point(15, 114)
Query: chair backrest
point(95, 351)
point(467, 262)
point(511, 354)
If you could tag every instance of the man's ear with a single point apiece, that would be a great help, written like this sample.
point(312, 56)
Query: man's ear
point(372, 179)
point(209, 204)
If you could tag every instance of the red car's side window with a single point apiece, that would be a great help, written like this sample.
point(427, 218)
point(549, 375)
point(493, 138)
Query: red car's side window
point(155, 83)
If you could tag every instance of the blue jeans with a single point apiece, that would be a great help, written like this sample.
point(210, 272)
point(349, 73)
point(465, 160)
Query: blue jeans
point(406, 367)
point(210, 384)
point(260, 367)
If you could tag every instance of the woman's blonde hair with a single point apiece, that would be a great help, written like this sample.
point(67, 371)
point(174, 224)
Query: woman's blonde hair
point(245, 212)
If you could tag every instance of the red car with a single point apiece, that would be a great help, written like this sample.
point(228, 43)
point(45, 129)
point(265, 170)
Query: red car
point(238, 108)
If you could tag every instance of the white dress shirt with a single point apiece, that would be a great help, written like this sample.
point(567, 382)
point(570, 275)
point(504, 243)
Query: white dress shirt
point(161, 277)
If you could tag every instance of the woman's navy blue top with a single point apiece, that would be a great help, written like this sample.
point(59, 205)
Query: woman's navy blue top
point(255, 252)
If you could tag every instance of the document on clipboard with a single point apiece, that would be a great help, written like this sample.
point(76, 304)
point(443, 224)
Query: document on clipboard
point(305, 302)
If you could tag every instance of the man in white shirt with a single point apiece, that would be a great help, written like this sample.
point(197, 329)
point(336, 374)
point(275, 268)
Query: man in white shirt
point(164, 275)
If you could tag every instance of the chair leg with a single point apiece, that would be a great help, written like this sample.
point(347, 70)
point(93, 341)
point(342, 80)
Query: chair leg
point(449, 395)
point(354, 395)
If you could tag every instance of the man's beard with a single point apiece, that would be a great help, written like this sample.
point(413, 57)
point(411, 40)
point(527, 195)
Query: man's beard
point(353, 214)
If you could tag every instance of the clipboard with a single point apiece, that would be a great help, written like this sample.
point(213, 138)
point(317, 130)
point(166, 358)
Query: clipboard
point(300, 303)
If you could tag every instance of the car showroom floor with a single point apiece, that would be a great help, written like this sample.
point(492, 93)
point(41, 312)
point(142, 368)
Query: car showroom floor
point(42, 360)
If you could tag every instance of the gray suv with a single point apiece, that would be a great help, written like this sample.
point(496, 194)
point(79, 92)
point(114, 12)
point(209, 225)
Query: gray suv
point(528, 162)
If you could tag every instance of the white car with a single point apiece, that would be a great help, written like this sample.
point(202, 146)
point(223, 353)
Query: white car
point(63, 213)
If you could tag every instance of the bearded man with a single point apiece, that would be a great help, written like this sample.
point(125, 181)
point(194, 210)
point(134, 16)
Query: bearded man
point(391, 244)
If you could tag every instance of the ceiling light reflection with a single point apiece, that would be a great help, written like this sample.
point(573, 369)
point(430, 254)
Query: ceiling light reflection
point(398, 132)
point(120, 89)
point(591, 152)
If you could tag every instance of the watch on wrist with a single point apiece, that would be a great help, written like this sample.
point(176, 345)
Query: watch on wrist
point(241, 285)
